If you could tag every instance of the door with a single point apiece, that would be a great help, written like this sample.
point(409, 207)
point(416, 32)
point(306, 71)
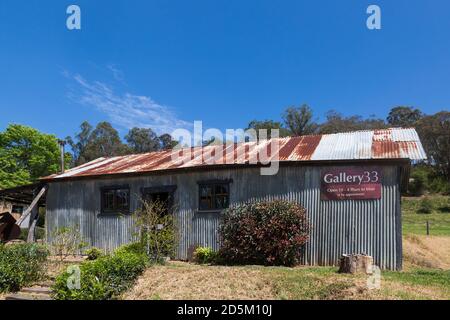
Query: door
point(163, 195)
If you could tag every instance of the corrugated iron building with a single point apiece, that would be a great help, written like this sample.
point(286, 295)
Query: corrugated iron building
point(320, 172)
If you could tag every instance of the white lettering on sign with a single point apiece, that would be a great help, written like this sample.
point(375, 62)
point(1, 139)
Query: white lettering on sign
point(343, 177)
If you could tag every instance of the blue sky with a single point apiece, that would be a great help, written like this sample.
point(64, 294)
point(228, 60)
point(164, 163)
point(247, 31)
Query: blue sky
point(167, 63)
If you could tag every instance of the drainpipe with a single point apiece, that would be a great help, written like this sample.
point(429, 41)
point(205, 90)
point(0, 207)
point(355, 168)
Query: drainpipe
point(62, 143)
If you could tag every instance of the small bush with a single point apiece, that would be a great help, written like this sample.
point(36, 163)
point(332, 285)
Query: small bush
point(418, 183)
point(135, 247)
point(102, 279)
point(20, 265)
point(93, 253)
point(67, 241)
point(205, 255)
point(268, 233)
point(426, 206)
point(156, 230)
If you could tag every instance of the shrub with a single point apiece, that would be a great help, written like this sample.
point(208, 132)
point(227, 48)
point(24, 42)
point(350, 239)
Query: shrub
point(135, 247)
point(20, 265)
point(418, 182)
point(102, 279)
point(66, 241)
point(156, 230)
point(93, 253)
point(426, 206)
point(269, 233)
point(205, 255)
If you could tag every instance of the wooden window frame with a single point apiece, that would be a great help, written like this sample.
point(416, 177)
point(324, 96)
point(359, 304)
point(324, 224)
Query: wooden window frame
point(115, 210)
point(213, 184)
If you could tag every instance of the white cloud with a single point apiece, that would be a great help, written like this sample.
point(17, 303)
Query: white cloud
point(117, 73)
point(126, 110)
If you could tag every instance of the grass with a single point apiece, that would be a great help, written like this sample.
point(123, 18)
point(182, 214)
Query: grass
point(426, 273)
point(179, 280)
point(439, 219)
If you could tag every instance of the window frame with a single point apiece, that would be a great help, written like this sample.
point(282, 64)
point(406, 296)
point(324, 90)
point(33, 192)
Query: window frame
point(115, 211)
point(213, 184)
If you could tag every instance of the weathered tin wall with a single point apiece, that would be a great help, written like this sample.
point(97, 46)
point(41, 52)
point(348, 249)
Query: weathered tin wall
point(346, 226)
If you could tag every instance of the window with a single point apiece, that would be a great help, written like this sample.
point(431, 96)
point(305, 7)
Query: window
point(214, 195)
point(17, 209)
point(115, 200)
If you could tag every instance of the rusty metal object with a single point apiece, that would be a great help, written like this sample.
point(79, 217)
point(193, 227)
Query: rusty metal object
point(8, 228)
point(394, 143)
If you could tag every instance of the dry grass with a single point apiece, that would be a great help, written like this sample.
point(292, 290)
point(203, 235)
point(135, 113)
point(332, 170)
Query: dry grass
point(427, 251)
point(425, 276)
point(178, 280)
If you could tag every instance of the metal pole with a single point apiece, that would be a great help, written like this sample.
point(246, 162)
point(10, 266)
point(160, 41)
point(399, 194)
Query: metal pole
point(428, 228)
point(62, 143)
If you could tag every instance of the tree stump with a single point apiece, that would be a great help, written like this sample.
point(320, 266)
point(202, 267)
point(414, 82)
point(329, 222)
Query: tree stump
point(356, 263)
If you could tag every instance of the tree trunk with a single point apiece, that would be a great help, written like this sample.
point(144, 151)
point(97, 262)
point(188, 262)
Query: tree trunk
point(356, 263)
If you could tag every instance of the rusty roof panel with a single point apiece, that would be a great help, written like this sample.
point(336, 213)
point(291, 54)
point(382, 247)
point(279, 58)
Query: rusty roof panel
point(378, 144)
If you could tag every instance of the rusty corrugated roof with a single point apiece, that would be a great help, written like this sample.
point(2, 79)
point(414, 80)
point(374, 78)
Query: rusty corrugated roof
point(394, 143)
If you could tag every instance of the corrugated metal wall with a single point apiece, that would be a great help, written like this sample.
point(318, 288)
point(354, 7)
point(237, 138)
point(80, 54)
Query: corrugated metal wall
point(346, 226)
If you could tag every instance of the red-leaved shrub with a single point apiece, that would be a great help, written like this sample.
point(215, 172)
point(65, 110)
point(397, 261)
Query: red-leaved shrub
point(268, 233)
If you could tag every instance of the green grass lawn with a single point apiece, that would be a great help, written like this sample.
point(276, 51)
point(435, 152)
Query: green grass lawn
point(415, 222)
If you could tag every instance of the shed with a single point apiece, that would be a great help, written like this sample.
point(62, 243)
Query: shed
point(350, 184)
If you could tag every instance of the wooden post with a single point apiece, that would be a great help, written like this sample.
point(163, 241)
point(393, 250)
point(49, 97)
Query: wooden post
point(428, 228)
point(34, 216)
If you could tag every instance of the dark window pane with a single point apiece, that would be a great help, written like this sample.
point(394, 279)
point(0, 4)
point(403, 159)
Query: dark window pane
point(213, 196)
point(115, 200)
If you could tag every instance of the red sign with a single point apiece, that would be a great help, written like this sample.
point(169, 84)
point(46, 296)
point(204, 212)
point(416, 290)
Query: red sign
point(350, 183)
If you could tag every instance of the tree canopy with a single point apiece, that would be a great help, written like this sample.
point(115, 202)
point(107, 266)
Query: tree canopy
point(26, 155)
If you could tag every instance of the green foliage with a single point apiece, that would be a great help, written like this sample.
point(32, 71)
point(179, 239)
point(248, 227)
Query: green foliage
point(426, 206)
point(104, 141)
point(135, 248)
point(20, 265)
point(299, 120)
point(205, 255)
point(93, 253)
point(434, 132)
point(142, 140)
point(336, 123)
point(439, 219)
point(67, 241)
point(40, 234)
point(156, 230)
point(268, 125)
point(269, 233)
point(102, 279)
point(418, 183)
point(26, 155)
point(424, 178)
point(405, 117)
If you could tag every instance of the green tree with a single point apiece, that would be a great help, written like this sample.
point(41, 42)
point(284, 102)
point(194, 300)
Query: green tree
point(268, 125)
point(26, 155)
point(103, 141)
point(434, 131)
point(141, 140)
point(79, 147)
point(167, 142)
point(336, 123)
point(299, 120)
point(404, 116)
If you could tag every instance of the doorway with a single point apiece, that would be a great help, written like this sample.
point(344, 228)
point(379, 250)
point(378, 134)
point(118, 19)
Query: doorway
point(164, 195)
